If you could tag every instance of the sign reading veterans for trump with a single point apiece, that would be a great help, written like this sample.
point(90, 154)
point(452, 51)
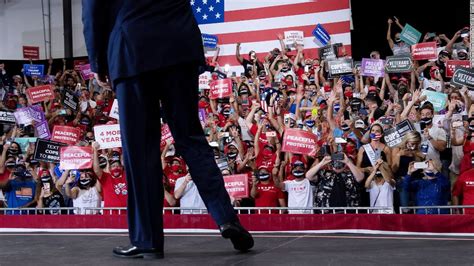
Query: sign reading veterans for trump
point(372, 67)
point(299, 141)
point(237, 185)
point(47, 151)
point(424, 51)
point(451, 66)
point(108, 136)
point(65, 134)
point(398, 64)
point(7, 117)
point(393, 136)
point(464, 77)
point(221, 88)
point(75, 157)
point(340, 67)
point(33, 70)
point(294, 36)
point(31, 52)
point(410, 35)
point(321, 34)
point(209, 40)
point(40, 93)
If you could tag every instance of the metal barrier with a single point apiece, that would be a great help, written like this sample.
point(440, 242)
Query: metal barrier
point(460, 209)
point(40, 211)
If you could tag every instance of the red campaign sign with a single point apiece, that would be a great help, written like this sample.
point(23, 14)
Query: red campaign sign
point(299, 141)
point(452, 64)
point(221, 88)
point(424, 51)
point(65, 134)
point(79, 62)
point(75, 157)
point(40, 93)
point(165, 135)
point(31, 52)
point(237, 185)
point(86, 72)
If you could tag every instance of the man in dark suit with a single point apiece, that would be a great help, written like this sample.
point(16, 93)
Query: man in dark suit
point(151, 51)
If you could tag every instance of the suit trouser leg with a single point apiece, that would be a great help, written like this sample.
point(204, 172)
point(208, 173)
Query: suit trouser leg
point(141, 134)
point(179, 96)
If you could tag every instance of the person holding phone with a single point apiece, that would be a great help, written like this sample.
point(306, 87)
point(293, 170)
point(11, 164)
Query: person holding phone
point(50, 197)
point(380, 185)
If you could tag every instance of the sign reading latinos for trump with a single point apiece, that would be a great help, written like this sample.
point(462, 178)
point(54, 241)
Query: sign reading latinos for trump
point(108, 136)
point(438, 99)
point(294, 36)
point(31, 52)
point(410, 35)
point(393, 136)
point(65, 134)
point(321, 34)
point(47, 151)
point(165, 135)
point(424, 51)
point(75, 157)
point(372, 67)
point(299, 141)
point(40, 93)
point(33, 70)
point(464, 77)
point(451, 66)
point(209, 40)
point(340, 67)
point(221, 88)
point(237, 185)
point(86, 72)
point(398, 64)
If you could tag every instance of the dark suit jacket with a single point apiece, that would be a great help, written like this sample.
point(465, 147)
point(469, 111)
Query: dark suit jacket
point(127, 37)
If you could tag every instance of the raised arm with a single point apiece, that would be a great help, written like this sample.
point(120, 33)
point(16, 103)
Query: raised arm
point(237, 53)
point(389, 34)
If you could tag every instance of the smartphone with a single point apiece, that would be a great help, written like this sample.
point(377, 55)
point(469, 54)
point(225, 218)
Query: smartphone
point(270, 134)
point(340, 141)
point(387, 121)
point(356, 95)
point(62, 112)
point(306, 68)
point(337, 157)
point(420, 165)
point(46, 187)
point(457, 124)
point(225, 134)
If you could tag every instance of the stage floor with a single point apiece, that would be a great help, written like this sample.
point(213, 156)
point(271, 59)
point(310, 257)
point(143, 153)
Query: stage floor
point(210, 249)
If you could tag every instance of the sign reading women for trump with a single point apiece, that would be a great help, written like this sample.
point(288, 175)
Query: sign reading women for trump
point(299, 141)
point(237, 185)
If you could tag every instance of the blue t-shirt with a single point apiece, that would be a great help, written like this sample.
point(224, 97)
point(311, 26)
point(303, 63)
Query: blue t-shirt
point(18, 192)
point(429, 192)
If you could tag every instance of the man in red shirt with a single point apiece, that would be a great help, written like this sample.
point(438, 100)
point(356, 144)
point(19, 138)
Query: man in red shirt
point(265, 193)
point(463, 190)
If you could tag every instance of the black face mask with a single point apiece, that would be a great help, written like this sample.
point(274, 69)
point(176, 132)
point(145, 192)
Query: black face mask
point(34, 162)
point(46, 179)
point(10, 164)
point(337, 164)
point(13, 151)
point(345, 127)
point(285, 69)
point(398, 40)
point(232, 155)
point(84, 183)
point(298, 173)
point(471, 128)
point(102, 162)
point(424, 122)
point(264, 177)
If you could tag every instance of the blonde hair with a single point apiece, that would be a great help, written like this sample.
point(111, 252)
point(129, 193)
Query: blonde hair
point(412, 136)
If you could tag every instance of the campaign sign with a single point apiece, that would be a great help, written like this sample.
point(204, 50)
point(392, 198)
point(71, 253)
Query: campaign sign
point(108, 136)
point(221, 88)
point(299, 141)
point(7, 117)
point(114, 111)
point(393, 136)
point(209, 41)
point(340, 67)
point(33, 70)
point(65, 134)
point(25, 142)
point(202, 117)
point(22, 116)
point(438, 99)
point(75, 157)
point(40, 93)
point(86, 72)
point(424, 51)
point(165, 135)
point(42, 130)
point(237, 185)
point(294, 36)
point(410, 35)
point(398, 64)
point(451, 66)
point(70, 100)
point(327, 52)
point(47, 151)
point(464, 77)
point(204, 80)
point(78, 63)
point(31, 52)
point(372, 67)
point(321, 34)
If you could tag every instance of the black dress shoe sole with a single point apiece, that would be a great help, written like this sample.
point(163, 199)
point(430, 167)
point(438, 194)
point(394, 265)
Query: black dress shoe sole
point(146, 256)
point(242, 241)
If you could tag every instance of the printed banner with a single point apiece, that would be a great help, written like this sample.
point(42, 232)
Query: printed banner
point(438, 99)
point(165, 135)
point(7, 117)
point(410, 35)
point(321, 34)
point(294, 36)
point(424, 51)
point(204, 80)
point(202, 117)
point(86, 72)
point(451, 66)
point(394, 136)
point(108, 136)
point(31, 52)
point(33, 70)
point(340, 67)
point(70, 100)
point(78, 63)
point(221, 88)
point(114, 112)
point(327, 52)
point(47, 151)
point(299, 141)
point(40, 93)
point(65, 134)
point(75, 157)
point(398, 64)
point(237, 186)
point(24, 143)
point(209, 40)
point(372, 67)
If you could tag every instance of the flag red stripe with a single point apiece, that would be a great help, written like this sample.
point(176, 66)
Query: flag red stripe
point(265, 35)
point(286, 10)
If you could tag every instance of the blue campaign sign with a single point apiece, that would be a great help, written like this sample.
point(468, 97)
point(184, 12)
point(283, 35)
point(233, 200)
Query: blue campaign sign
point(321, 34)
point(209, 41)
point(33, 70)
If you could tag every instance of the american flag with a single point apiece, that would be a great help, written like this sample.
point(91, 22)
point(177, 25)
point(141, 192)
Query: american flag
point(256, 23)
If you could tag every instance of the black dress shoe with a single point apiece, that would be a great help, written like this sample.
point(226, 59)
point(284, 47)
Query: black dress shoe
point(136, 252)
point(241, 238)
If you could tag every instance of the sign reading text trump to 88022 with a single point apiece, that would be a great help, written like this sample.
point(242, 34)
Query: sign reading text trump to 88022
point(108, 136)
point(299, 141)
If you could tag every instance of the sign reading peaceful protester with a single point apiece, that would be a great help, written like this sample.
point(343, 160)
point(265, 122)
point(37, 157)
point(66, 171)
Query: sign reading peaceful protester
point(108, 136)
point(398, 64)
point(65, 134)
point(424, 51)
point(221, 88)
point(410, 35)
point(33, 70)
point(438, 99)
point(464, 77)
point(40, 93)
point(75, 157)
point(299, 141)
point(209, 40)
point(394, 136)
point(321, 34)
point(372, 67)
point(47, 151)
point(294, 36)
point(340, 67)
point(237, 185)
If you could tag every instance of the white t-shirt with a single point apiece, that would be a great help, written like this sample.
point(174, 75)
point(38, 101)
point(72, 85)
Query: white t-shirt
point(381, 196)
point(84, 105)
point(436, 133)
point(401, 49)
point(190, 198)
point(87, 198)
point(300, 195)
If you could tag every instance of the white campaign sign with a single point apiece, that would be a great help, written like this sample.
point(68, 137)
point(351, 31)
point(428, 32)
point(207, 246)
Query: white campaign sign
point(114, 112)
point(204, 80)
point(294, 36)
point(108, 136)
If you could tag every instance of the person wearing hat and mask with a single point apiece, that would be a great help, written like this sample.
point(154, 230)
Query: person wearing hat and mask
point(263, 190)
point(85, 192)
point(20, 189)
point(336, 182)
point(433, 137)
point(49, 196)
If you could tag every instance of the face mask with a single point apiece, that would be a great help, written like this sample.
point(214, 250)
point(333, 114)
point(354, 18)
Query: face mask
point(310, 123)
point(46, 179)
point(232, 155)
point(298, 173)
point(264, 177)
point(267, 153)
point(116, 172)
point(289, 82)
point(226, 112)
point(411, 148)
point(429, 173)
point(34, 162)
point(426, 121)
point(336, 107)
point(10, 164)
point(102, 162)
point(243, 91)
point(345, 127)
point(471, 128)
point(375, 136)
point(348, 94)
point(13, 151)
point(175, 168)
point(20, 172)
point(398, 40)
point(337, 165)
point(285, 69)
